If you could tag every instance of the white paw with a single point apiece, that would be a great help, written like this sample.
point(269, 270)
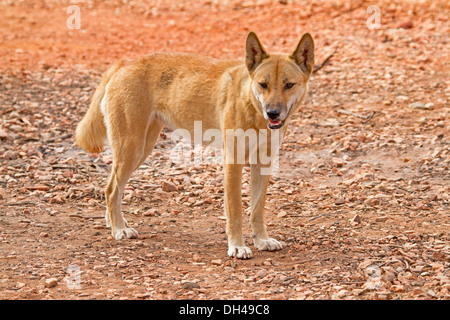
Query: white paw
point(269, 244)
point(125, 233)
point(240, 252)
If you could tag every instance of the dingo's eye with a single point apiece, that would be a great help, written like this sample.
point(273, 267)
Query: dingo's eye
point(289, 85)
point(263, 85)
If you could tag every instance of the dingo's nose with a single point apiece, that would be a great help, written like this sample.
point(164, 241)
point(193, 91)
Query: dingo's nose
point(273, 114)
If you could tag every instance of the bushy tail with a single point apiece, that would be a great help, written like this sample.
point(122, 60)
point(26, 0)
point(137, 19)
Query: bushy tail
point(91, 131)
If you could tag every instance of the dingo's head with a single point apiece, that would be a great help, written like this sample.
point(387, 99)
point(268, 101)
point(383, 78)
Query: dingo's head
point(279, 81)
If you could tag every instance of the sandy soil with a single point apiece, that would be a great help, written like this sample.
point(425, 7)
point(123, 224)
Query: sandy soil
point(361, 200)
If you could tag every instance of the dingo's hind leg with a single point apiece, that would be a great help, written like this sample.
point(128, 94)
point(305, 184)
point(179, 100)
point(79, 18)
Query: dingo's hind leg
point(129, 126)
point(127, 157)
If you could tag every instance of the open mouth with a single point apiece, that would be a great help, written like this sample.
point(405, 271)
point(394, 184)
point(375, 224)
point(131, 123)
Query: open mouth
point(275, 124)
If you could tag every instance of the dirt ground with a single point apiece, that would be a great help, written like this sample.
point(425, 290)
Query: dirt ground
point(361, 199)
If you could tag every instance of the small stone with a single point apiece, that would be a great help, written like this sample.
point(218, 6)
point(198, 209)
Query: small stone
point(337, 162)
point(216, 262)
point(16, 128)
point(3, 134)
point(262, 273)
point(383, 294)
point(248, 280)
point(340, 201)
point(407, 24)
point(417, 291)
point(418, 105)
point(20, 285)
point(381, 219)
point(168, 187)
point(282, 214)
point(440, 256)
point(51, 282)
point(3, 193)
point(83, 294)
point(371, 201)
point(429, 105)
point(144, 295)
point(398, 288)
point(151, 213)
point(190, 285)
point(268, 262)
point(356, 220)
point(358, 292)
point(39, 187)
point(9, 155)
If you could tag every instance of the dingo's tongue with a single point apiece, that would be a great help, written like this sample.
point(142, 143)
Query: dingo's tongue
point(274, 122)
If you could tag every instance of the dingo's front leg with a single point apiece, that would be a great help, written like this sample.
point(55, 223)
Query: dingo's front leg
point(233, 210)
point(259, 181)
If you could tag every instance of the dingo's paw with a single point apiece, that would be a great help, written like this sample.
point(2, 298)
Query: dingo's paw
point(268, 244)
point(240, 252)
point(125, 233)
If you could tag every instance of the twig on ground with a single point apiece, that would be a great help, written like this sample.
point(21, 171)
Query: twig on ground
point(368, 117)
point(324, 63)
point(322, 215)
point(18, 203)
point(63, 137)
point(289, 204)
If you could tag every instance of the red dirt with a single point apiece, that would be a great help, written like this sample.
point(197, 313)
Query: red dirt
point(361, 201)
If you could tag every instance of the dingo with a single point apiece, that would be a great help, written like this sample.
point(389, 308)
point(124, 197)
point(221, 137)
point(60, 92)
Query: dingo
point(137, 98)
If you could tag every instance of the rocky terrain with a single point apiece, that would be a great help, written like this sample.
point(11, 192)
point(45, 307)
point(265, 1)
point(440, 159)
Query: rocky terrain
point(360, 201)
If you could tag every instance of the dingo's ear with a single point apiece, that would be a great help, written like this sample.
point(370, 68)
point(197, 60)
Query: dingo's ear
point(304, 54)
point(254, 52)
